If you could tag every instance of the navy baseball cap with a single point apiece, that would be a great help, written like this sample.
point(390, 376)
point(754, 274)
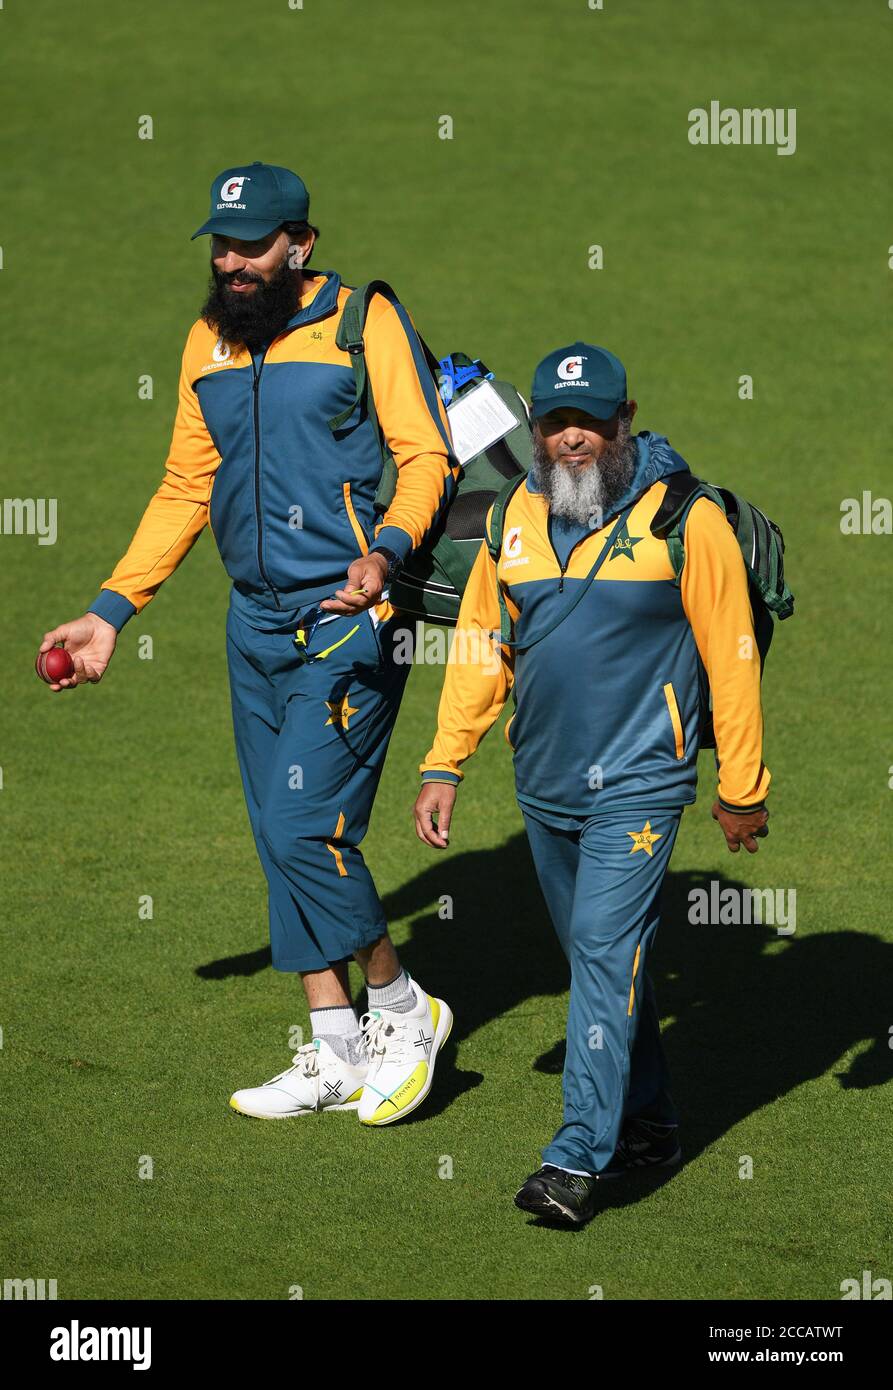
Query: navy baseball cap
point(585, 377)
point(253, 199)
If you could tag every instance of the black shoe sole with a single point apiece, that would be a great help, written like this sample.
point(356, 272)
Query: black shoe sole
point(541, 1204)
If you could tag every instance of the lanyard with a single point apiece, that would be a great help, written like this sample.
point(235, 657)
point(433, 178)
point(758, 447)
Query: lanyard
point(583, 589)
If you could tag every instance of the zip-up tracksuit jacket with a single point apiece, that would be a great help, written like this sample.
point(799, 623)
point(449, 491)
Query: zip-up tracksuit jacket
point(290, 505)
point(605, 744)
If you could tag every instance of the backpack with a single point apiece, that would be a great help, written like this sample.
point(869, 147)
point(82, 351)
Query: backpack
point(762, 549)
point(431, 583)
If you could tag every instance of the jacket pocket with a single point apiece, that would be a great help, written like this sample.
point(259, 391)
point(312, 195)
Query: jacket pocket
point(352, 518)
point(330, 636)
point(672, 706)
point(350, 642)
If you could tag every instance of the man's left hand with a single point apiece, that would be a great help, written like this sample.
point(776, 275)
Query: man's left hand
point(367, 575)
point(742, 830)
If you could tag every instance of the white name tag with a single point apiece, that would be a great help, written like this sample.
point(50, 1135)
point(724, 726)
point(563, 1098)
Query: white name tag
point(478, 420)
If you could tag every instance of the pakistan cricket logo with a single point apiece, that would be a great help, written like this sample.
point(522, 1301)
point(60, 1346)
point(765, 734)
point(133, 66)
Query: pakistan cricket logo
point(623, 543)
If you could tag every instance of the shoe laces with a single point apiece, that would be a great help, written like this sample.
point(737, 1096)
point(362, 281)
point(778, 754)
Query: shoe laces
point(574, 1182)
point(305, 1060)
point(384, 1039)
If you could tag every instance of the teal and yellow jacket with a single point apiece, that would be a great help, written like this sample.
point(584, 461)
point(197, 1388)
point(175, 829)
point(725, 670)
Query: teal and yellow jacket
point(608, 704)
point(290, 504)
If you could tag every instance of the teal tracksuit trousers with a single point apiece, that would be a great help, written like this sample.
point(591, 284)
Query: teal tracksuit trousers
point(602, 881)
point(311, 740)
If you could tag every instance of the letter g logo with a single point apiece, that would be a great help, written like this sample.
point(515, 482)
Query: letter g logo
point(570, 368)
point(232, 190)
point(511, 546)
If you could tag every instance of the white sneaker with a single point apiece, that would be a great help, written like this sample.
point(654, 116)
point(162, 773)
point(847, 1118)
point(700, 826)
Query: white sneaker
point(316, 1080)
point(402, 1049)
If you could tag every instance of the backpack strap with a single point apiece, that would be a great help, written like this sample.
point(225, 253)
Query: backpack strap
point(584, 587)
point(682, 491)
point(680, 487)
point(497, 516)
point(349, 338)
point(494, 545)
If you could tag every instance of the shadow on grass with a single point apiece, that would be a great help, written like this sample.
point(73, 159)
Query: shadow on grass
point(747, 1024)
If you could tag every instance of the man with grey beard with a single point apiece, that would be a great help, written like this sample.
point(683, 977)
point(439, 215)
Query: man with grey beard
point(601, 645)
point(576, 494)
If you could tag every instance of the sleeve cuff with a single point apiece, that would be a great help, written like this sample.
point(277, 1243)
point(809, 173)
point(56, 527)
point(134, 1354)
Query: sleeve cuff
point(741, 810)
point(394, 538)
point(114, 608)
point(435, 775)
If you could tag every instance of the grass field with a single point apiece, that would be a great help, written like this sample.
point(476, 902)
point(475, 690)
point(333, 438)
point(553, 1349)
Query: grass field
point(123, 1038)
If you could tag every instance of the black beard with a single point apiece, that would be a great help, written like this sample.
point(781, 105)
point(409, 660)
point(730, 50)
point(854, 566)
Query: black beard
point(592, 494)
point(253, 319)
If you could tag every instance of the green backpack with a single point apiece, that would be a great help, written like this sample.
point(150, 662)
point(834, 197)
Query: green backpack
point(762, 549)
point(432, 582)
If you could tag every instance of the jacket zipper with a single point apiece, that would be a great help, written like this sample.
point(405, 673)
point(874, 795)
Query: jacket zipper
point(256, 395)
point(257, 501)
point(562, 568)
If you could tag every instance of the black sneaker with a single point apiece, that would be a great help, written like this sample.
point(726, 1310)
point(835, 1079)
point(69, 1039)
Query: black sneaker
point(644, 1144)
point(558, 1196)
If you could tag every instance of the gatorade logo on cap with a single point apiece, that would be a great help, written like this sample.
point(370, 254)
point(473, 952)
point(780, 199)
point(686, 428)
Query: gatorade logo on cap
point(595, 378)
point(570, 368)
point(276, 196)
point(232, 192)
point(232, 189)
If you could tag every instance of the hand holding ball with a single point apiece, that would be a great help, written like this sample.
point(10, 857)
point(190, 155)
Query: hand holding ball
point(54, 665)
point(76, 652)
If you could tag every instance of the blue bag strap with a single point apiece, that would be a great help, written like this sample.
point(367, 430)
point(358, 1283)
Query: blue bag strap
point(584, 587)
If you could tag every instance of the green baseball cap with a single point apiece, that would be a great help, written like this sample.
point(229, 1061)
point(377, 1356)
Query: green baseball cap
point(252, 200)
point(585, 377)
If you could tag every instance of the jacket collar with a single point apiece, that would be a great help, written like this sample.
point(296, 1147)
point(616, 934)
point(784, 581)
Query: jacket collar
point(324, 301)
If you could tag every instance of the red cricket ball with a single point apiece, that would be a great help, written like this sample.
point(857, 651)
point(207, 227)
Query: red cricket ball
point(54, 665)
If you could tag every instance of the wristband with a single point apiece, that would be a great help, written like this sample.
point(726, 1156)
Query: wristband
point(395, 564)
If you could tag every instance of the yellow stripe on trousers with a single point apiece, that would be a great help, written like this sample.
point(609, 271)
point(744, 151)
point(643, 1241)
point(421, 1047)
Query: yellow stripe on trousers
point(339, 830)
point(632, 987)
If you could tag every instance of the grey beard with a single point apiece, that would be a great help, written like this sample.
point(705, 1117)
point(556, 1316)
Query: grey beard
point(586, 495)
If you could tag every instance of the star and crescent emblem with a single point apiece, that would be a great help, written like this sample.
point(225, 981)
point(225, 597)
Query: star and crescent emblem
point(644, 839)
point(340, 711)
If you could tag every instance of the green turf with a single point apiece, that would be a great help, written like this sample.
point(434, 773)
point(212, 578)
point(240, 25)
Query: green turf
point(124, 1037)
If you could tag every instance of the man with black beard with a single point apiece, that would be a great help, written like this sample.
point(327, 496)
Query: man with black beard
point(250, 306)
point(275, 446)
point(600, 644)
